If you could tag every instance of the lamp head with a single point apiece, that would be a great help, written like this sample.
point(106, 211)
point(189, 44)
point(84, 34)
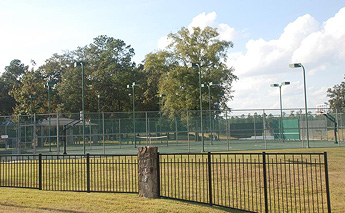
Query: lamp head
point(295, 65)
point(274, 85)
point(100, 96)
point(193, 65)
point(77, 64)
point(286, 83)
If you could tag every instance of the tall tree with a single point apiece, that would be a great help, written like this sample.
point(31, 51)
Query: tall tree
point(32, 84)
point(108, 69)
point(337, 97)
point(181, 84)
point(156, 65)
point(10, 80)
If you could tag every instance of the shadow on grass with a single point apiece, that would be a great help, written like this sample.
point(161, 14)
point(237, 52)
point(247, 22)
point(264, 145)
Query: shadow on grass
point(222, 208)
point(26, 209)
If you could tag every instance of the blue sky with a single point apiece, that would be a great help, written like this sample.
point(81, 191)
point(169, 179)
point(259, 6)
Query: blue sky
point(267, 36)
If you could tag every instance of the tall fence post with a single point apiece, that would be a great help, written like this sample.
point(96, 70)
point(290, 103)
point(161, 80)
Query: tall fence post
point(158, 176)
point(40, 171)
point(209, 178)
point(148, 169)
point(265, 180)
point(88, 172)
point(327, 183)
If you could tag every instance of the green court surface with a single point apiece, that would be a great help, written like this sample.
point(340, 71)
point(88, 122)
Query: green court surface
point(185, 147)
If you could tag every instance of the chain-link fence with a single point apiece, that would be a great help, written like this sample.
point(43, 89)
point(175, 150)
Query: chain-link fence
point(180, 131)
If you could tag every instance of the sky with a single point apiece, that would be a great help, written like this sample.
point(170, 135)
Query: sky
point(268, 35)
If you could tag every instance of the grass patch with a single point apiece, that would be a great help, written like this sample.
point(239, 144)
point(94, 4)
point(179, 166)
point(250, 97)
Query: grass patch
point(32, 200)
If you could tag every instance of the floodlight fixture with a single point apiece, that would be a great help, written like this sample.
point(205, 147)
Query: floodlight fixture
point(296, 65)
point(274, 85)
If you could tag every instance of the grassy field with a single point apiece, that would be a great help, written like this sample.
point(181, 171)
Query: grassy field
point(32, 200)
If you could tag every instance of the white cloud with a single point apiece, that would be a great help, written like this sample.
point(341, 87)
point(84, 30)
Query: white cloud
point(327, 44)
point(319, 47)
point(203, 20)
point(163, 42)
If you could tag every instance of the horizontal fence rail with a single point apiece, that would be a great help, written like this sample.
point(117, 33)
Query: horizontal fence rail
point(259, 182)
point(87, 173)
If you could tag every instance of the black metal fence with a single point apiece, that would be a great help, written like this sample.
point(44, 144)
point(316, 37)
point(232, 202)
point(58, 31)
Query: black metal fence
point(256, 182)
point(88, 173)
point(260, 182)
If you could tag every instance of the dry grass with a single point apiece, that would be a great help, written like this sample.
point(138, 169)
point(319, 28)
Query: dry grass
point(32, 200)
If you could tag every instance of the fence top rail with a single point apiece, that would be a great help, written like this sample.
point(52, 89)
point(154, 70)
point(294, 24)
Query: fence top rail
point(61, 155)
point(245, 153)
point(128, 155)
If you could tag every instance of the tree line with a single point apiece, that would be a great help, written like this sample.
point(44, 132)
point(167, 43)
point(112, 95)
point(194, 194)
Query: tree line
point(166, 81)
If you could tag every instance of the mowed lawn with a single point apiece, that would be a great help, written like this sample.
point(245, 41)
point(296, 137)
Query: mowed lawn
point(33, 200)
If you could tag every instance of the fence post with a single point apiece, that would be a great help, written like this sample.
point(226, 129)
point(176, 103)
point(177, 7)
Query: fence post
point(265, 180)
point(158, 177)
point(40, 171)
point(327, 183)
point(209, 178)
point(148, 169)
point(88, 172)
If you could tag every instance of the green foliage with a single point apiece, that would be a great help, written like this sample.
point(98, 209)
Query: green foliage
point(180, 84)
point(32, 84)
point(337, 97)
point(9, 80)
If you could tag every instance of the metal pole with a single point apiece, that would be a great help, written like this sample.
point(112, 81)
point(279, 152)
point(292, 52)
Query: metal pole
point(83, 104)
point(188, 131)
point(201, 125)
point(209, 108)
point(227, 129)
point(103, 132)
point(146, 125)
point(305, 105)
point(57, 133)
point(19, 136)
point(281, 113)
point(264, 124)
point(254, 127)
point(135, 139)
point(49, 111)
point(34, 134)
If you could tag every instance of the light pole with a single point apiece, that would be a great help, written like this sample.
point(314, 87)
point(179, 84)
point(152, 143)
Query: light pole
point(82, 64)
point(201, 126)
point(209, 84)
point(48, 86)
point(133, 89)
point(296, 65)
point(99, 96)
point(99, 104)
point(281, 106)
point(160, 113)
point(32, 97)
